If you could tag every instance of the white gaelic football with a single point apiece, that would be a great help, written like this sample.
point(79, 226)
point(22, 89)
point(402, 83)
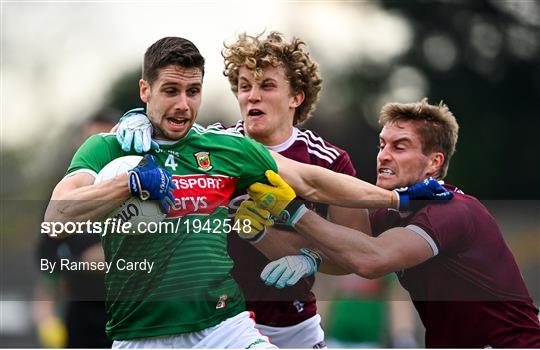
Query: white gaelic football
point(132, 210)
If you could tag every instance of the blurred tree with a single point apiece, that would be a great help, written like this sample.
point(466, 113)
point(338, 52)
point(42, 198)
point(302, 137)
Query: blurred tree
point(482, 59)
point(124, 92)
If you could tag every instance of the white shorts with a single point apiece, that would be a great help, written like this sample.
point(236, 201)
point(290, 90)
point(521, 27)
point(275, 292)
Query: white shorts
point(307, 334)
point(237, 332)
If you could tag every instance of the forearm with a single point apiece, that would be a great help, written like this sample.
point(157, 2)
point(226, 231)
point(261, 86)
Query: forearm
point(343, 190)
point(350, 249)
point(354, 218)
point(279, 243)
point(318, 184)
point(87, 202)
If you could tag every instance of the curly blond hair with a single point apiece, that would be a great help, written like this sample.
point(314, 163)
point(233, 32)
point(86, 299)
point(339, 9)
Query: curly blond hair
point(256, 53)
point(436, 125)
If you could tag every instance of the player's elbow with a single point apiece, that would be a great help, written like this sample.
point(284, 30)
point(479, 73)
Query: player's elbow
point(372, 266)
point(53, 224)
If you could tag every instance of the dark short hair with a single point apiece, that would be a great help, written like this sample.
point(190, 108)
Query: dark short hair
point(170, 51)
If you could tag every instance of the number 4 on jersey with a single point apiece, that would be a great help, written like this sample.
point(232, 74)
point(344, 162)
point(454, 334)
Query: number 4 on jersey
point(170, 162)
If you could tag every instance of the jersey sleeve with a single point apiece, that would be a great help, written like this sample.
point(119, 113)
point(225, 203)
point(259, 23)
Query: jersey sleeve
point(449, 225)
point(344, 165)
point(92, 156)
point(256, 159)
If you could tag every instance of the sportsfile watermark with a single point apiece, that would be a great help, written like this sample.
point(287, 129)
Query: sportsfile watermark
point(108, 226)
point(27, 253)
point(118, 226)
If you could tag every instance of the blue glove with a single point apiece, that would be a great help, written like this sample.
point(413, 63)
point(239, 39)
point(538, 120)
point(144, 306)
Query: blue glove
point(288, 270)
point(135, 126)
point(149, 181)
point(427, 190)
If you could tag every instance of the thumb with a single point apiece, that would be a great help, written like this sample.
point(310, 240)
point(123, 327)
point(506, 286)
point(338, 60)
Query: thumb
point(275, 179)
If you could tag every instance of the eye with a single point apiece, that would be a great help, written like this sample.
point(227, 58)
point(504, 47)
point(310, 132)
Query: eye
point(170, 91)
point(267, 86)
point(380, 146)
point(243, 87)
point(194, 91)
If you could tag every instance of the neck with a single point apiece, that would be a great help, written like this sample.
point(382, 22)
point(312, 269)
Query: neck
point(274, 139)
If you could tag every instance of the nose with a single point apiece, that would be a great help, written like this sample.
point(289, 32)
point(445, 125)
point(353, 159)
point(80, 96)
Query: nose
point(181, 104)
point(254, 95)
point(384, 154)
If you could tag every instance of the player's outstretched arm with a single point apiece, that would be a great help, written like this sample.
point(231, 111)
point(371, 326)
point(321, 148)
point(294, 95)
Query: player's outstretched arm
point(370, 257)
point(318, 184)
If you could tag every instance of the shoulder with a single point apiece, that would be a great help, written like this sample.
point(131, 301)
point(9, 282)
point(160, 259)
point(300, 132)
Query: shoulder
point(461, 207)
point(455, 223)
point(325, 153)
point(216, 130)
point(100, 141)
point(104, 137)
point(214, 136)
point(238, 127)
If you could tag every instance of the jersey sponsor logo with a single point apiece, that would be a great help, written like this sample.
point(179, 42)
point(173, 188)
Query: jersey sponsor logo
point(201, 194)
point(203, 160)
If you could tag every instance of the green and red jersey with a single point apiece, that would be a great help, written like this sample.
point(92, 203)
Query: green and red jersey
point(190, 287)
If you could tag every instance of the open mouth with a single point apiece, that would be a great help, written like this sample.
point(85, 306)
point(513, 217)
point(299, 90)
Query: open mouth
point(386, 171)
point(255, 112)
point(177, 123)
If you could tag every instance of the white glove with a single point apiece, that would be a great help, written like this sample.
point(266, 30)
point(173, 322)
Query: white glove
point(288, 270)
point(135, 126)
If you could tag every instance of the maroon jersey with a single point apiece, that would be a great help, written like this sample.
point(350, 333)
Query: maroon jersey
point(290, 305)
point(471, 293)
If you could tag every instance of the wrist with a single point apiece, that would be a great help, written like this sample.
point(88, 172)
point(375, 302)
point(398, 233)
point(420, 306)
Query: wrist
point(135, 186)
point(258, 237)
point(294, 211)
point(314, 257)
point(394, 199)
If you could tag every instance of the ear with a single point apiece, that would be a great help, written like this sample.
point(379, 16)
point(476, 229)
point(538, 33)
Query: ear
point(144, 90)
point(297, 99)
point(436, 161)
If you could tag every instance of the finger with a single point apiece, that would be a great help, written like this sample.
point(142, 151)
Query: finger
point(294, 278)
point(282, 281)
point(170, 197)
point(151, 161)
point(446, 195)
point(164, 206)
point(258, 189)
point(275, 274)
point(126, 144)
point(154, 144)
point(254, 222)
point(268, 270)
point(120, 137)
point(138, 141)
point(252, 207)
point(146, 138)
